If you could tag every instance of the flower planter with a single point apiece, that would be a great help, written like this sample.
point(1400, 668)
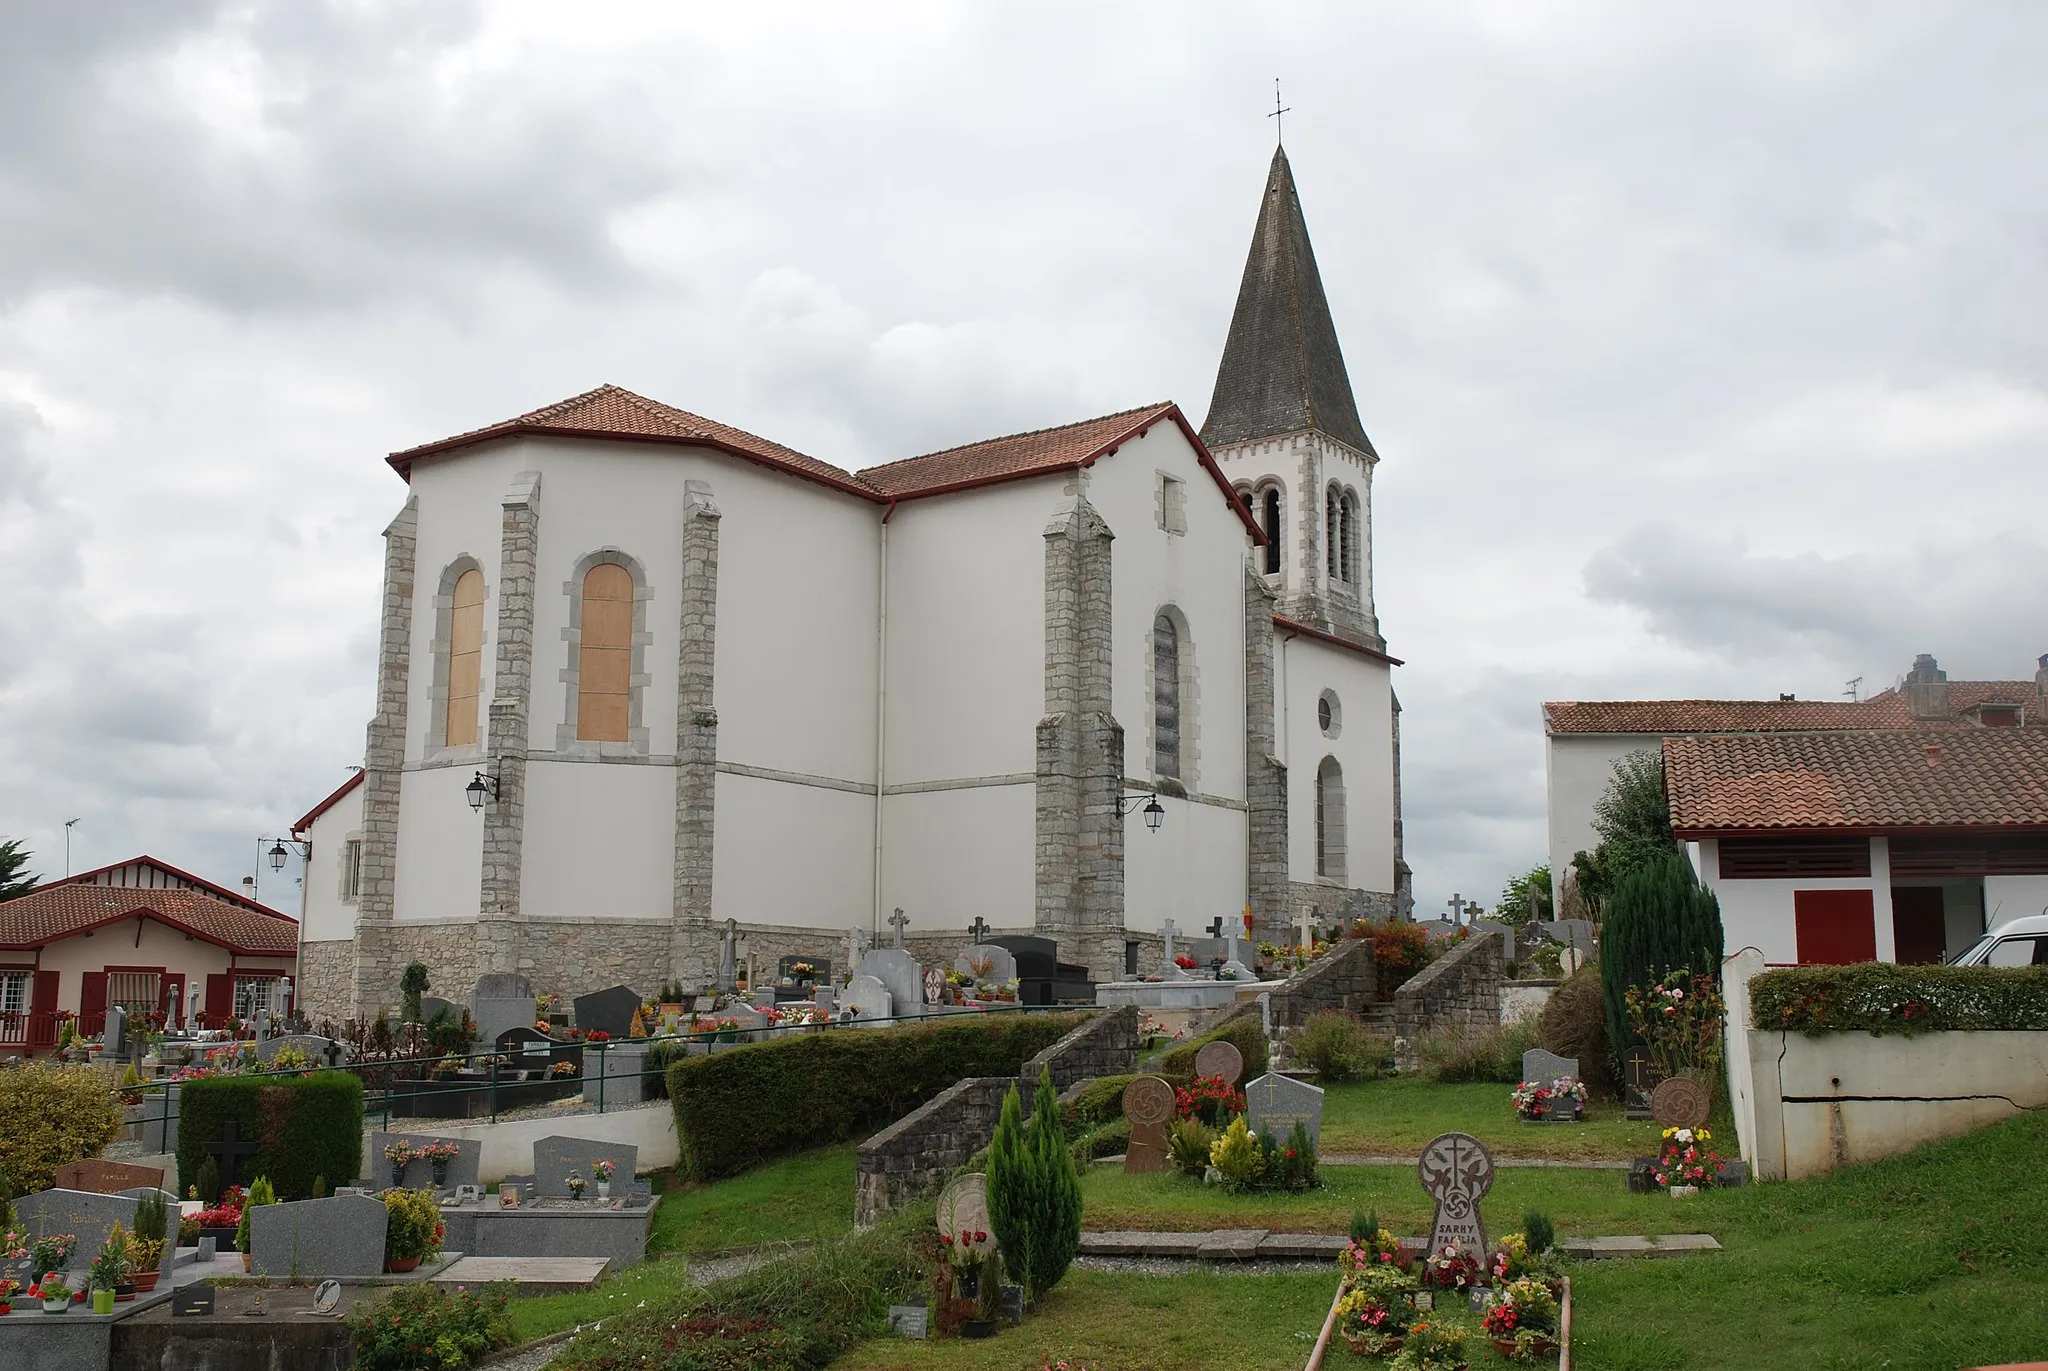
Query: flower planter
point(245, 1263)
point(401, 1263)
point(1543, 1347)
point(102, 1301)
point(56, 1306)
point(145, 1281)
point(5, 1309)
point(397, 1175)
point(124, 1292)
point(604, 1190)
point(978, 1328)
point(1677, 1191)
point(440, 1171)
point(1361, 1348)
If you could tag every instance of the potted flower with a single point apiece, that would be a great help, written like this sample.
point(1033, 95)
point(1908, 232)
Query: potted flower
point(803, 973)
point(412, 1230)
point(576, 1184)
point(1372, 1246)
point(601, 1171)
point(8, 1287)
point(440, 1152)
point(1686, 1164)
point(1523, 1321)
point(1450, 1268)
point(399, 1153)
point(1568, 1098)
point(53, 1292)
point(51, 1253)
point(146, 1248)
point(1433, 1345)
point(1187, 963)
point(109, 1270)
point(1373, 1314)
point(261, 1193)
point(977, 1276)
point(727, 1030)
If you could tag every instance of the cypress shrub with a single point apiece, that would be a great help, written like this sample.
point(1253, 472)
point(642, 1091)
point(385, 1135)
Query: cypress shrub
point(1658, 919)
point(1058, 1240)
point(307, 1127)
point(736, 1109)
point(1012, 1190)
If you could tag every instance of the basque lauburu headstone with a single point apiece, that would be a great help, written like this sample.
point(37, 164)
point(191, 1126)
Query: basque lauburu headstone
point(1456, 1170)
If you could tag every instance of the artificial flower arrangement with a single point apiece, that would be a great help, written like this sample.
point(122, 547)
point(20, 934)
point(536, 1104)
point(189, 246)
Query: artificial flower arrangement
point(1371, 1246)
point(14, 1245)
point(1432, 1345)
point(562, 1070)
point(1513, 1261)
point(975, 1268)
point(51, 1252)
point(400, 1153)
point(728, 1030)
point(1450, 1268)
point(1523, 1321)
point(1564, 1097)
point(8, 1289)
point(602, 1169)
point(439, 1152)
point(803, 971)
point(1373, 1314)
point(1187, 963)
point(1211, 1099)
point(597, 1035)
point(1680, 1021)
point(1686, 1162)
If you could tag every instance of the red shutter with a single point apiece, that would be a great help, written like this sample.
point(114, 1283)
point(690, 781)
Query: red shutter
point(42, 1011)
point(1835, 927)
point(220, 999)
point(92, 1004)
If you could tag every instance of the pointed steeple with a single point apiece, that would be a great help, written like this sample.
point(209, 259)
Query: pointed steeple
point(1282, 369)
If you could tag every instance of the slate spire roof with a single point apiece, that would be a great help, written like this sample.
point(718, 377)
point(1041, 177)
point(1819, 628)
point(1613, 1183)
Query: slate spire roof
point(1282, 369)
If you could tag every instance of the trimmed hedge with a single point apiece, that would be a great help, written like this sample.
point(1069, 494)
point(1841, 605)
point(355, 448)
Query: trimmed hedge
point(736, 1109)
point(51, 1116)
point(1099, 1100)
point(308, 1128)
point(1244, 1028)
point(1879, 997)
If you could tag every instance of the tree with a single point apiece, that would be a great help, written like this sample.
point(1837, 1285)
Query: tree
point(14, 877)
point(1058, 1239)
point(1659, 919)
point(1526, 898)
point(1011, 1190)
point(1633, 819)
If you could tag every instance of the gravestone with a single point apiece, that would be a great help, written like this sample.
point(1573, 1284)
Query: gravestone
point(107, 1178)
point(432, 1006)
point(529, 1049)
point(1168, 931)
point(1148, 1104)
point(866, 998)
point(1220, 1058)
point(1456, 1171)
point(821, 968)
point(908, 1320)
point(1274, 1104)
point(116, 1037)
point(311, 1044)
point(1638, 1078)
point(339, 1236)
point(963, 1205)
point(504, 1000)
point(554, 1158)
point(1576, 934)
point(608, 1011)
point(229, 1150)
point(1540, 1067)
point(85, 1213)
point(934, 986)
point(419, 1172)
point(1003, 962)
point(1680, 1102)
point(900, 975)
point(1506, 931)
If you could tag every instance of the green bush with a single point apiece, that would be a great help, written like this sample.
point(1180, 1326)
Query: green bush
point(738, 1108)
point(1098, 1101)
point(1574, 1025)
point(261, 1192)
point(1659, 919)
point(417, 1327)
point(412, 1226)
point(1494, 1055)
point(1189, 1144)
point(1106, 1139)
point(51, 1116)
point(307, 1127)
point(1243, 1028)
point(1878, 997)
point(1340, 1048)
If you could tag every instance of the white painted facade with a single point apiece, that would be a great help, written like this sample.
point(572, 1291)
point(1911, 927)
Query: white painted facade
point(329, 903)
point(1578, 768)
point(1361, 740)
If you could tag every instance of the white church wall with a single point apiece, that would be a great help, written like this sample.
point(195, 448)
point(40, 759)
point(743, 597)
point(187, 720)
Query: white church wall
point(1363, 747)
point(440, 847)
point(326, 915)
point(792, 854)
point(1193, 869)
point(1578, 768)
point(950, 855)
point(460, 514)
point(600, 840)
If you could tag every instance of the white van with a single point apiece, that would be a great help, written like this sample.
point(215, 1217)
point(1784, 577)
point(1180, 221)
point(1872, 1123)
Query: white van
point(2016, 942)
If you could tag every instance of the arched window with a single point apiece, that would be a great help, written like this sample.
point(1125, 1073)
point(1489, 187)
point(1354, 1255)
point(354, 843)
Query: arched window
point(604, 658)
point(1333, 533)
point(1269, 519)
point(1165, 698)
point(1330, 819)
point(1349, 548)
point(465, 658)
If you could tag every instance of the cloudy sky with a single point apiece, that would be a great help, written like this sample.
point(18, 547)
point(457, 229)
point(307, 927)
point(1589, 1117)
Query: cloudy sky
point(1703, 347)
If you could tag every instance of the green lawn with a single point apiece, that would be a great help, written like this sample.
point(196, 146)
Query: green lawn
point(790, 1199)
point(1398, 1117)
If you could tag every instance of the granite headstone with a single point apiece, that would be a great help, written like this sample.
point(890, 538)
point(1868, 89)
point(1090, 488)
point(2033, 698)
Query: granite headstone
point(866, 998)
point(1274, 1104)
point(88, 1215)
point(1002, 962)
point(310, 1045)
point(1541, 1067)
point(342, 1235)
point(419, 1172)
point(107, 1177)
point(900, 974)
point(554, 1158)
point(504, 1000)
point(608, 1011)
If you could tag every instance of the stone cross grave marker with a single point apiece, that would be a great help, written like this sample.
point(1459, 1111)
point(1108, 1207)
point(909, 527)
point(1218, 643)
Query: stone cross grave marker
point(934, 985)
point(978, 930)
point(107, 1178)
point(228, 1150)
point(1002, 961)
point(1307, 925)
point(1457, 1171)
point(554, 1158)
point(1570, 960)
point(1680, 1102)
point(728, 956)
point(866, 998)
point(504, 1001)
point(1148, 1104)
point(1220, 1058)
point(116, 1038)
point(87, 1214)
point(900, 973)
point(1274, 1104)
point(1541, 1068)
point(342, 1235)
point(899, 921)
point(1459, 904)
point(609, 1011)
point(1168, 931)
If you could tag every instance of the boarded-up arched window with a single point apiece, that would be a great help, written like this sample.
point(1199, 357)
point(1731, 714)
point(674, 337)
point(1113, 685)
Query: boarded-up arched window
point(604, 665)
point(1165, 699)
point(1330, 819)
point(1348, 548)
point(1270, 510)
point(1333, 533)
point(465, 657)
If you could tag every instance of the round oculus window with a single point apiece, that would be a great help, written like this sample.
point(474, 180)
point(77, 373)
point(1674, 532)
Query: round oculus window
point(1329, 714)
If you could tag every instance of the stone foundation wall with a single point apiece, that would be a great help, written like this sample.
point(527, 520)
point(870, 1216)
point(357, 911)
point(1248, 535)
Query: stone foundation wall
point(912, 1157)
point(1458, 992)
point(1335, 904)
point(1345, 979)
point(326, 979)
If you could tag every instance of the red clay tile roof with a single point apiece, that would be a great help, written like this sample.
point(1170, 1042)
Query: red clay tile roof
point(1018, 454)
point(50, 913)
point(611, 412)
point(1860, 781)
point(1888, 709)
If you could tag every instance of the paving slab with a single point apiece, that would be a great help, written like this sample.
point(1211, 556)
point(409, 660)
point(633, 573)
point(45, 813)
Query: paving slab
point(1670, 1245)
point(533, 1275)
point(1302, 1246)
point(1231, 1244)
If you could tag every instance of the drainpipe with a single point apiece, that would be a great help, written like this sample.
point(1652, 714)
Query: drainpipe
point(881, 718)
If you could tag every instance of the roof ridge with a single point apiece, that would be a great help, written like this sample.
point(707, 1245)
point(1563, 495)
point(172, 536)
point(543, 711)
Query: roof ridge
point(1159, 407)
point(545, 412)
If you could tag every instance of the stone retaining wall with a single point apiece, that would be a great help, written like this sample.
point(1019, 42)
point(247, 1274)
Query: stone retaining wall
point(912, 1157)
point(1458, 992)
point(1346, 978)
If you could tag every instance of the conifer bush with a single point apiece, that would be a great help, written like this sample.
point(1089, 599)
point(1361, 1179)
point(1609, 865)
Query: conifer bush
point(1658, 919)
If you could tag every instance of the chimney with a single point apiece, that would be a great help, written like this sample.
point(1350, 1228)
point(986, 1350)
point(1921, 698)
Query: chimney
point(1927, 688)
point(2041, 679)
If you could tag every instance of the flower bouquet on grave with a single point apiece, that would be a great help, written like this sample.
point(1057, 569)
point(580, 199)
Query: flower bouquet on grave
point(576, 1184)
point(1531, 1101)
point(725, 1030)
point(400, 1154)
point(1450, 1268)
point(1523, 1321)
point(51, 1253)
point(1371, 1246)
point(53, 1292)
point(1686, 1164)
point(1433, 1345)
point(8, 1289)
point(1211, 1099)
point(803, 973)
point(1373, 1315)
point(601, 1171)
point(562, 1070)
point(1187, 963)
point(439, 1153)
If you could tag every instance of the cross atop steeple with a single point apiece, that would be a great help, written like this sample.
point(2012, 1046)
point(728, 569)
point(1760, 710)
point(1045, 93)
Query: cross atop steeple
point(1279, 138)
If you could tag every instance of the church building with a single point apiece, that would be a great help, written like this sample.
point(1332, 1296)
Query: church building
point(641, 673)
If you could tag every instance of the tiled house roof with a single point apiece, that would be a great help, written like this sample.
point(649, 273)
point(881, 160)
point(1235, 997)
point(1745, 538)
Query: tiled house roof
point(1857, 781)
point(50, 913)
point(1888, 709)
point(1019, 454)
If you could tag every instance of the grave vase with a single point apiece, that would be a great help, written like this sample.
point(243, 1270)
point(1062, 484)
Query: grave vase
point(440, 1171)
point(102, 1300)
point(401, 1263)
point(604, 1190)
point(57, 1306)
point(397, 1175)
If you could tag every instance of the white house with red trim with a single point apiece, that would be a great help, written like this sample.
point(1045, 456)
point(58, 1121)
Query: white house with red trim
point(642, 673)
point(141, 934)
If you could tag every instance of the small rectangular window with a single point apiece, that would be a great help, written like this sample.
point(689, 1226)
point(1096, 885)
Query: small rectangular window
point(351, 869)
point(13, 992)
point(135, 991)
point(1173, 506)
point(253, 993)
